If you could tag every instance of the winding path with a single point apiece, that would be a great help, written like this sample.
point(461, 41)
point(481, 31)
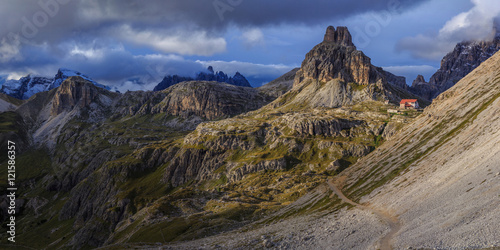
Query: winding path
point(391, 220)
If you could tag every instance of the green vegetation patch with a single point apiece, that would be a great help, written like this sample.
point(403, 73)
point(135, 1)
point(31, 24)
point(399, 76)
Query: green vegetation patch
point(10, 122)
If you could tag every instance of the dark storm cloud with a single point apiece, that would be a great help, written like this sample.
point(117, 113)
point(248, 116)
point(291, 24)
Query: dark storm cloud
point(40, 36)
point(52, 20)
point(215, 14)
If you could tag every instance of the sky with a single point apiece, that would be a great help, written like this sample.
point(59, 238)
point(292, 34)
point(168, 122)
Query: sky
point(133, 44)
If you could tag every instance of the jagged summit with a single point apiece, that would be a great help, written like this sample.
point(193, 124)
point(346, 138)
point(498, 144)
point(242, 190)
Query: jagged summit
point(237, 80)
point(419, 80)
point(334, 73)
point(337, 58)
point(340, 36)
point(465, 57)
point(64, 73)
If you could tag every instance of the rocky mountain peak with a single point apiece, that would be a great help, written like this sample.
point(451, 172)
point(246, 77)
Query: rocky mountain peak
point(74, 91)
point(334, 73)
point(341, 36)
point(465, 57)
point(337, 58)
point(419, 80)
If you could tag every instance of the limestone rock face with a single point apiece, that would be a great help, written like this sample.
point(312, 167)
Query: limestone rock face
point(461, 61)
point(238, 172)
point(337, 58)
point(455, 65)
point(328, 61)
point(75, 91)
point(209, 100)
point(327, 127)
point(399, 81)
point(340, 36)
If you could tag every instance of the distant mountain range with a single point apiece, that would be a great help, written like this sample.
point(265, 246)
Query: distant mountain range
point(237, 80)
point(29, 85)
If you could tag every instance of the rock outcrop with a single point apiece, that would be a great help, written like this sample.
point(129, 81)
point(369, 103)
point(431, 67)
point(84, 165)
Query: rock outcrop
point(320, 127)
point(209, 100)
point(418, 81)
point(75, 91)
point(341, 36)
point(398, 81)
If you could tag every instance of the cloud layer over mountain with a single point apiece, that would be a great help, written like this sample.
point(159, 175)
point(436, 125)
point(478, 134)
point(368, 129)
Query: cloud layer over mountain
point(132, 43)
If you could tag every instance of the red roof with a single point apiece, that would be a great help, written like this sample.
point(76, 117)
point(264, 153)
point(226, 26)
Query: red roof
point(404, 101)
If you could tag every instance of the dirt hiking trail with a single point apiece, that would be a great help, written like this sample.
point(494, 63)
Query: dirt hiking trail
point(391, 220)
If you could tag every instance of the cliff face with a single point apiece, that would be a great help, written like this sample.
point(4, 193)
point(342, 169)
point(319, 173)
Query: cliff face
point(337, 58)
point(209, 100)
point(73, 92)
point(187, 103)
point(464, 58)
point(461, 61)
point(341, 36)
